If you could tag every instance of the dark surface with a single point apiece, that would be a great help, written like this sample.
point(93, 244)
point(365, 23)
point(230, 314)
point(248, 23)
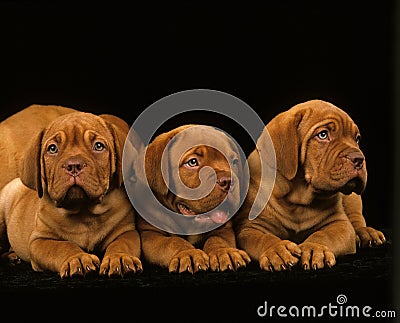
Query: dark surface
point(366, 279)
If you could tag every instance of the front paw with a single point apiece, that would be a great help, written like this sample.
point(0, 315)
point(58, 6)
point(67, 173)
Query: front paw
point(369, 237)
point(190, 260)
point(228, 259)
point(316, 256)
point(79, 265)
point(120, 264)
point(280, 256)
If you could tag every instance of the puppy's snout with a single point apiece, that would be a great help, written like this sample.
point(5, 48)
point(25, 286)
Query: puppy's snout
point(225, 183)
point(356, 158)
point(74, 166)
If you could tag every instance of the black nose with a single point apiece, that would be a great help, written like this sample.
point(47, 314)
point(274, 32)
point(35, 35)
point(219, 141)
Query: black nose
point(224, 183)
point(357, 159)
point(74, 166)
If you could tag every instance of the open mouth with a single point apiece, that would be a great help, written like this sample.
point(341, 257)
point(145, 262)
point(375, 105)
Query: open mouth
point(217, 215)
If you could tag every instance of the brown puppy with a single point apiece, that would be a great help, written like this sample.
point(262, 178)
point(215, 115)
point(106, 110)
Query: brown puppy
point(69, 206)
point(320, 172)
point(19, 128)
point(193, 234)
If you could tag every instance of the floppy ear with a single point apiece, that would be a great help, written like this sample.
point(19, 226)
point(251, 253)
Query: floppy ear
point(154, 152)
point(119, 136)
point(31, 166)
point(283, 130)
point(116, 121)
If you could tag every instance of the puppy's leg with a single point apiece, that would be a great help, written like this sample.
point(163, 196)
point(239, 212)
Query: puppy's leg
point(272, 253)
point(64, 257)
point(334, 239)
point(366, 236)
point(220, 245)
point(173, 252)
point(122, 255)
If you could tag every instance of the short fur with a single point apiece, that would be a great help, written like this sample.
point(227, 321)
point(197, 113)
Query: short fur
point(69, 209)
point(320, 174)
point(215, 249)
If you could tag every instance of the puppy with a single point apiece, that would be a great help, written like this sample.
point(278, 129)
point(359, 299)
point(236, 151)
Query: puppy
point(18, 129)
point(69, 208)
point(191, 233)
point(320, 174)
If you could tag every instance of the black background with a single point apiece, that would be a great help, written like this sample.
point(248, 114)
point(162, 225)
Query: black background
point(120, 57)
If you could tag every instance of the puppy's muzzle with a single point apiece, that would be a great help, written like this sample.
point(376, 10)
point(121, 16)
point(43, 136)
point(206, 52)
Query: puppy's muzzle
point(225, 183)
point(356, 158)
point(74, 166)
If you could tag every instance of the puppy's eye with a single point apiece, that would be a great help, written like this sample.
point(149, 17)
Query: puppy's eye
point(99, 146)
point(358, 139)
point(323, 135)
point(235, 162)
point(52, 149)
point(193, 162)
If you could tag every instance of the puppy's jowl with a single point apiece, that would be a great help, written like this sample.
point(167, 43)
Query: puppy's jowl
point(314, 213)
point(68, 211)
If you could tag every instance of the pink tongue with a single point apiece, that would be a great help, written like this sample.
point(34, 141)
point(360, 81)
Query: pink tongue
point(219, 216)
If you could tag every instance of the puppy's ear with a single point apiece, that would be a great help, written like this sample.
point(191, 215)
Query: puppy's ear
point(31, 165)
point(119, 136)
point(154, 152)
point(116, 121)
point(283, 130)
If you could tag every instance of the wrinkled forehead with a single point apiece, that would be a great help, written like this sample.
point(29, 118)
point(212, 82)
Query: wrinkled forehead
point(200, 135)
point(77, 124)
point(327, 115)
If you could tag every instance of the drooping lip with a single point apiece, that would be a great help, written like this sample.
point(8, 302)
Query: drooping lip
point(217, 215)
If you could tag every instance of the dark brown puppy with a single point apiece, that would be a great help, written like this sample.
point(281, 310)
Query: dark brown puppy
point(320, 173)
point(69, 208)
point(162, 243)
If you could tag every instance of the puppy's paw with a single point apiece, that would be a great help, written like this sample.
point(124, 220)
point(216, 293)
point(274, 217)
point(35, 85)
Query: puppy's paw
point(11, 257)
point(79, 264)
point(120, 264)
point(369, 237)
point(190, 260)
point(223, 259)
point(316, 256)
point(281, 256)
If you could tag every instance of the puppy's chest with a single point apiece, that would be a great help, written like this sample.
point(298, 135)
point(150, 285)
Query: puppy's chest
point(87, 232)
point(299, 219)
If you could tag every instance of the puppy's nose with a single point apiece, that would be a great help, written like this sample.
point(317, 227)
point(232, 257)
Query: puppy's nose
point(357, 159)
point(74, 166)
point(224, 183)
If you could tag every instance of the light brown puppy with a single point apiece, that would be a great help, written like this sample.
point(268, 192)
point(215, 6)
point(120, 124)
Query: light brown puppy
point(69, 208)
point(320, 174)
point(192, 234)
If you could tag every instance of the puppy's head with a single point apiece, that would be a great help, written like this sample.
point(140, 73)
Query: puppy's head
point(319, 142)
point(195, 171)
point(76, 160)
